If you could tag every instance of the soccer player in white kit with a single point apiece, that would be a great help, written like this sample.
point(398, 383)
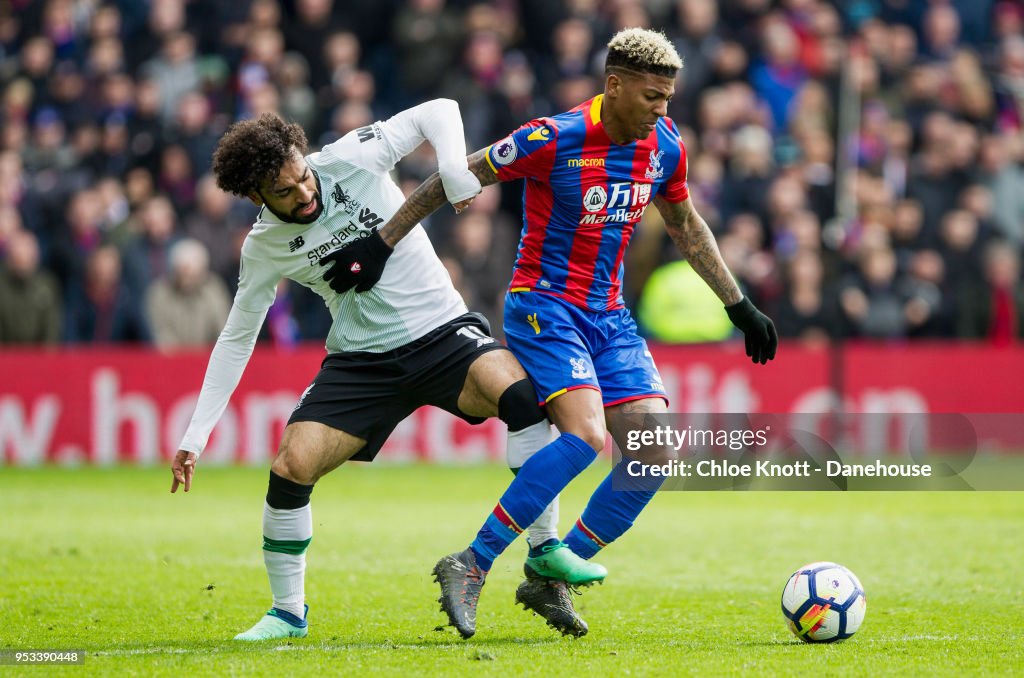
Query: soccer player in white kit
point(408, 342)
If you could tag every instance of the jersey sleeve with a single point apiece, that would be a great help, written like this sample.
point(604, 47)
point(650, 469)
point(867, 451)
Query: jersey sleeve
point(365, 147)
point(527, 152)
point(257, 288)
point(675, 188)
point(378, 147)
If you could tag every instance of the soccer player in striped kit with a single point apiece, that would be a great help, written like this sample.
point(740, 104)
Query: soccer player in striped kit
point(590, 174)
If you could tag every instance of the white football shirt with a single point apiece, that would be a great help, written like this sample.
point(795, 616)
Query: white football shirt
point(414, 295)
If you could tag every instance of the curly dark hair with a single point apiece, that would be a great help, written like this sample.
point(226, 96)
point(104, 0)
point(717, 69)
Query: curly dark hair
point(252, 153)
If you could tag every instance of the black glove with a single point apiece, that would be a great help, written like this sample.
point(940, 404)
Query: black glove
point(758, 330)
point(358, 265)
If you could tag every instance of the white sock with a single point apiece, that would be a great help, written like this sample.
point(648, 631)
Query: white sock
point(546, 525)
point(522, 445)
point(286, 534)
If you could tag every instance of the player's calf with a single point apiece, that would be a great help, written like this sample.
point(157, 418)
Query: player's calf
point(287, 533)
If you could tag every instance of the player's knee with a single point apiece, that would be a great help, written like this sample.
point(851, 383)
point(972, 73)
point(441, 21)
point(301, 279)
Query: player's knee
point(592, 433)
point(587, 425)
point(283, 493)
point(291, 467)
point(518, 406)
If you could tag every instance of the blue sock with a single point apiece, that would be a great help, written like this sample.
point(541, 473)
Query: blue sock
point(613, 507)
point(539, 481)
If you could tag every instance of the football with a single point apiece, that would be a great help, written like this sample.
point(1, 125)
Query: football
point(823, 602)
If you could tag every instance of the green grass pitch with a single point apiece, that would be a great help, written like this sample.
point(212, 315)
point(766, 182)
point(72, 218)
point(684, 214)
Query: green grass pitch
point(150, 583)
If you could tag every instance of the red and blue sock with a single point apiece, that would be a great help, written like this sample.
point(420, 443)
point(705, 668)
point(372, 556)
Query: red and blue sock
point(613, 507)
point(540, 479)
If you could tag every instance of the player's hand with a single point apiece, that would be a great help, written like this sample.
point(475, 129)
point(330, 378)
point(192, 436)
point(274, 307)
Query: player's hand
point(182, 468)
point(463, 204)
point(359, 265)
point(758, 330)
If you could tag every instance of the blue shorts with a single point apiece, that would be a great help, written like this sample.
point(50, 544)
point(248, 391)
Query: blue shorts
point(564, 347)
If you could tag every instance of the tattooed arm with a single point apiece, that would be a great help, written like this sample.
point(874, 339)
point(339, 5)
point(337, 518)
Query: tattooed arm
point(429, 196)
point(692, 236)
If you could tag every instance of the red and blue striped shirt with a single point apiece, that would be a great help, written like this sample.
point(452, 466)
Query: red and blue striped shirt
point(583, 197)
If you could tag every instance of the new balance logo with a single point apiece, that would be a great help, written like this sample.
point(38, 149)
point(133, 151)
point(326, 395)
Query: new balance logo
point(296, 244)
point(474, 333)
point(366, 133)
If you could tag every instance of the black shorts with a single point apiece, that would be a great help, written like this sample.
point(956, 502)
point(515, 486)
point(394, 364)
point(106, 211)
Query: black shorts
point(368, 394)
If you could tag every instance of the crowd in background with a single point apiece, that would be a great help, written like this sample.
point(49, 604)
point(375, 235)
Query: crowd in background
point(860, 162)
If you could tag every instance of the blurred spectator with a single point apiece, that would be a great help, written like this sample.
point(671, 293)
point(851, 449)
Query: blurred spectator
point(926, 273)
point(341, 55)
point(307, 32)
point(10, 225)
point(940, 31)
point(750, 174)
point(1000, 170)
point(264, 51)
point(993, 307)
point(347, 117)
point(961, 243)
point(298, 102)
point(425, 35)
point(48, 147)
point(174, 70)
point(471, 246)
point(216, 222)
point(147, 253)
point(145, 127)
point(176, 178)
point(571, 45)
point(698, 45)
point(30, 306)
point(73, 242)
point(879, 303)
point(188, 306)
point(906, 234)
point(475, 84)
point(779, 76)
point(807, 309)
point(104, 308)
point(194, 131)
point(282, 326)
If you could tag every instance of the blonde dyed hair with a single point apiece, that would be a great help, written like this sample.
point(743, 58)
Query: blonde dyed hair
point(643, 50)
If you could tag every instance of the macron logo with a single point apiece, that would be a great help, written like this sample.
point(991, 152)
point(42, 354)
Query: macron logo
point(585, 162)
